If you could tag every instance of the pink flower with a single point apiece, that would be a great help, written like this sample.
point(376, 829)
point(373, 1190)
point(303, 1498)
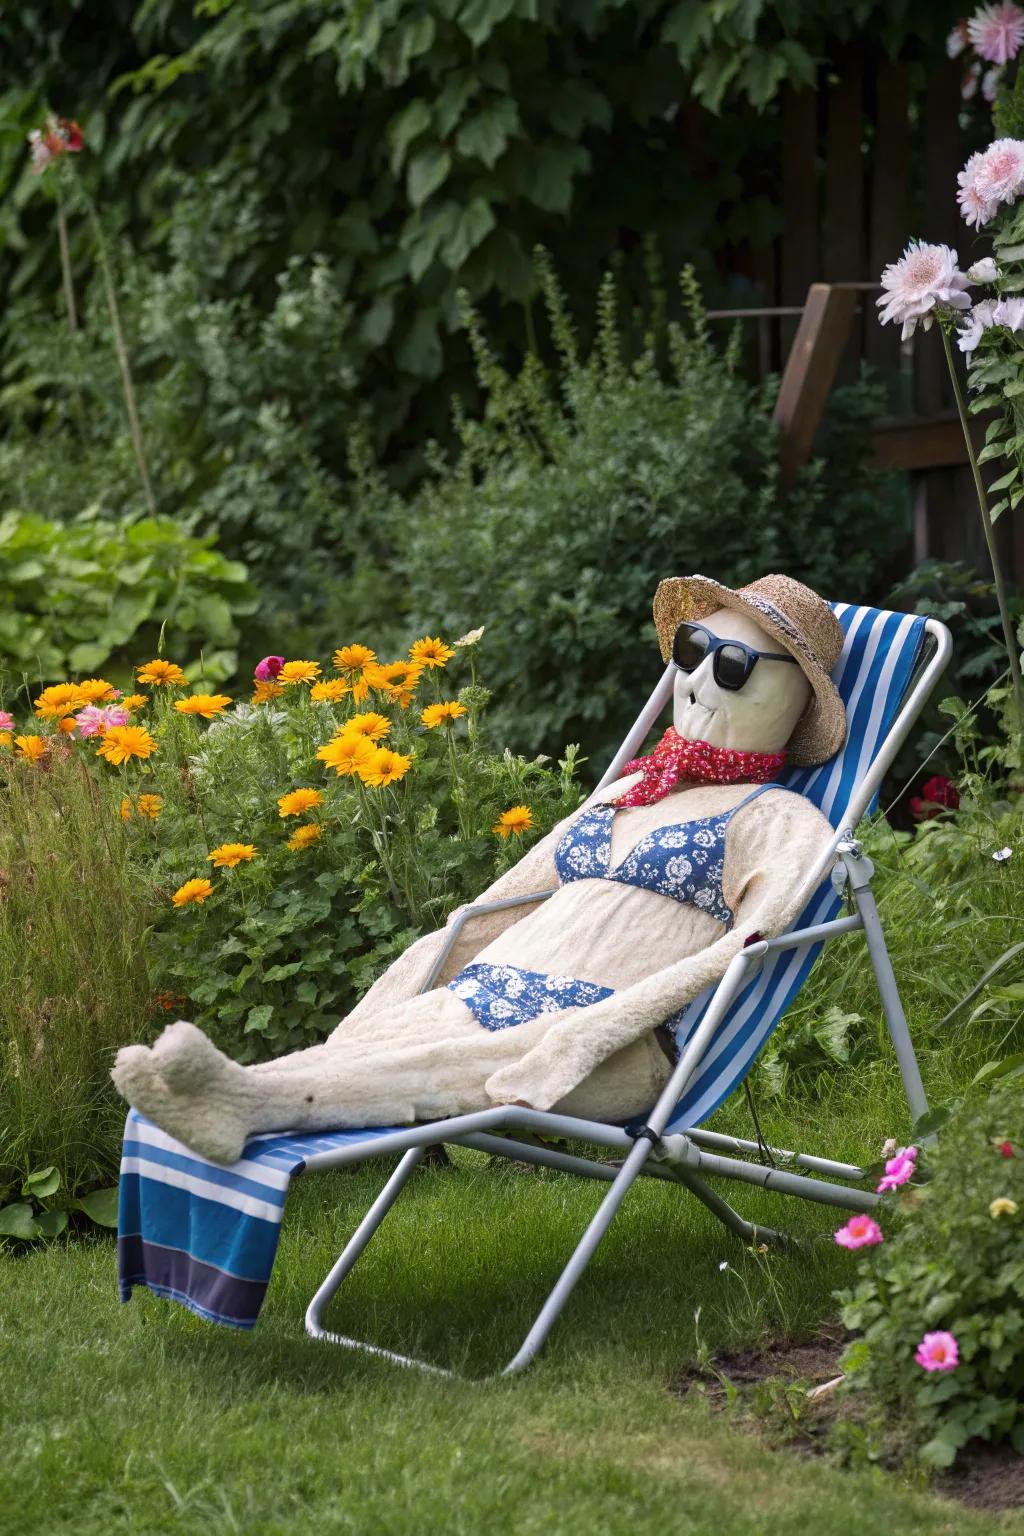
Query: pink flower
point(6, 720)
point(969, 81)
point(93, 721)
point(994, 176)
point(924, 276)
point(1009, 312)
point(859, 1232)
point(990, 82)
point(938, 1352)
point(59, 137)
point(268, 669)
point(1005, 1149)
point(898, 1170)
point(997, 31)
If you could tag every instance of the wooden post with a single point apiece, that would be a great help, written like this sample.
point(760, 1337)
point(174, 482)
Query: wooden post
point(811, 370)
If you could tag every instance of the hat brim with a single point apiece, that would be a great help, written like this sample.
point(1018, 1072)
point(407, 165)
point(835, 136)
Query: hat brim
point(821, 729)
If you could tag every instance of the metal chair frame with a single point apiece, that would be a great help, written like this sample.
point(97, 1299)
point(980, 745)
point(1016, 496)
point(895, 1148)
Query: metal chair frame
point(686, 1158)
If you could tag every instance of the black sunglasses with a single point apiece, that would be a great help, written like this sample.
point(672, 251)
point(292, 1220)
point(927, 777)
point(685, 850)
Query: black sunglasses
point(733, 661)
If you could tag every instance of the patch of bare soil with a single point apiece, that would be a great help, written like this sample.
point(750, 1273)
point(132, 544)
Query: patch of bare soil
point(985, 1477)
point(814, 1361)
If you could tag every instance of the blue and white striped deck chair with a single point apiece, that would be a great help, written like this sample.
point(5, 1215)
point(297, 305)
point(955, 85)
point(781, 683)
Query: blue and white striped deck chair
point(885, 677)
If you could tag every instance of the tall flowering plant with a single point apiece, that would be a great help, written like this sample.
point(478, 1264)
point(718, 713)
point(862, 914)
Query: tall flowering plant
point(981, 311)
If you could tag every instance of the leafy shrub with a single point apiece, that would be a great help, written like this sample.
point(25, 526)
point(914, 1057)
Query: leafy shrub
point(575, 494)
point(81, 597)
point(956, 1265)
point(286, 940)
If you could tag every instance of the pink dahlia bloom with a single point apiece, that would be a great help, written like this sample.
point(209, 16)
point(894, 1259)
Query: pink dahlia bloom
point(859, 1232)
point(994, 176)
point(6, 720)
point(93, 721)
point(268, 669)
point(924, 276)
point(938, 1352)
point(997, 31)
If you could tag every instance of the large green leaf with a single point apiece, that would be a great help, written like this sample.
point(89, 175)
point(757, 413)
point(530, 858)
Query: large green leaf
point(44, 1181)
point(472, 227)
point(412, 121)
point(428, 170)
point(486, 134)
point(18, 1221)
point(100, 1206)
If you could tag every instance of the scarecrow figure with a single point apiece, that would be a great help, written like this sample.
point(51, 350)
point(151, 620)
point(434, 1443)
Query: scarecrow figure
point(568, 1002)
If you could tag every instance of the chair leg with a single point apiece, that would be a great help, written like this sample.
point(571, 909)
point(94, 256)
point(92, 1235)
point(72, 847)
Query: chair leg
point(860, 871)
point(549, 1312)
point(746, 1231)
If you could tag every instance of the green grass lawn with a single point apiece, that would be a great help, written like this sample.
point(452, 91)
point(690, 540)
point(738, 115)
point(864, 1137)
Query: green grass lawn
point(141, 1419)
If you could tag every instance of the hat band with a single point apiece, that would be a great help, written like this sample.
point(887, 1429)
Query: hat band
point(786, 624)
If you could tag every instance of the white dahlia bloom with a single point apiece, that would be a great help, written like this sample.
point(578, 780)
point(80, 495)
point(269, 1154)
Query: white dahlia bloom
point(979, 319)
point(983, 271)
point(924, 276)
point(1009, 312)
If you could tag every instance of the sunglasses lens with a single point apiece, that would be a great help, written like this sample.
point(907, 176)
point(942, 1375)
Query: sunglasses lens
point(732, 667)
point(689, 647)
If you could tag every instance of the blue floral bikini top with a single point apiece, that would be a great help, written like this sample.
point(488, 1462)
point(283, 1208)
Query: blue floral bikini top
point(686, 861)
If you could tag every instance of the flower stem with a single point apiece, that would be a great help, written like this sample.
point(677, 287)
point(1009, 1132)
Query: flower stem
point(65, 266)
point(986, 523)
point(124, 364)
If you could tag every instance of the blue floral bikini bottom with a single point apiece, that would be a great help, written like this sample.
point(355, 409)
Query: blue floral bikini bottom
point(499, 996)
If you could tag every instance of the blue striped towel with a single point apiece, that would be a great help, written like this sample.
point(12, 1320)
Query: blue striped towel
point(206, 1235)
point(202, 1233)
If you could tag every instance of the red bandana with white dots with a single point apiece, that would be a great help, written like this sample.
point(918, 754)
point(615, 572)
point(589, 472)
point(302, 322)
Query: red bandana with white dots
point(695, 762)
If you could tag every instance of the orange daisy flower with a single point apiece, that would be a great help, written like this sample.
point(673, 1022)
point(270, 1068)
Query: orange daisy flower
point(514, 822)
point(192, 890)
point(230, 855)
point(385, 767)
point(346, 754)
point(430, 652)
point(162, 674)
point(208, 705)
point(298, 672)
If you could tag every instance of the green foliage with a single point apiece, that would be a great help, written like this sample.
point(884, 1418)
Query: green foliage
point(84, 596)
point(952, 1266)
point(579, 489)
point(419, 146)
point(43, 1211)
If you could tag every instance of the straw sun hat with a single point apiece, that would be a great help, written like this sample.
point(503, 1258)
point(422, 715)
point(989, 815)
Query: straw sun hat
point(802, 623)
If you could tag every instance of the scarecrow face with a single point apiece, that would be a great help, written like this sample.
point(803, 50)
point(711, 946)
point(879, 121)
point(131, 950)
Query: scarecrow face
point(760, 716)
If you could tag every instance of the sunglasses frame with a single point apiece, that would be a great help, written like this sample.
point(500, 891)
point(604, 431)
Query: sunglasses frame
point(715, 646)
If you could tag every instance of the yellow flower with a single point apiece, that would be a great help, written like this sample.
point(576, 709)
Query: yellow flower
point(396, 681)
point(303, 837)
point(163, 673)
point(346, 754)
point(330, 690)
point(134, 701)
point(384, 768)
point(1002, 1207)
point(228, 855)
point(298, 672)
point(31, 747)
point(299, 800)
point(95, 690)
point(517, 819)
point(192, 890)
point(149, 806)
point(6, 739)
point(66, 726)
point(352, 661)
point(126, 809)
point(431, 653)
point(264, 692)
point(371, 725)
point(121, 742)
point(206, 704)
point(445, 713)
point(59, 700)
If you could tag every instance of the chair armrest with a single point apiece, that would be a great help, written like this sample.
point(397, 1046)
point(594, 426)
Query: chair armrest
point(478, 909)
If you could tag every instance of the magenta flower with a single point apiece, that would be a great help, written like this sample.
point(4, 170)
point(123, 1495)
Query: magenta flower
point(93, 721)
point(6, 720)
point(938, 1352)
point(898, 1170)
point(997, 31)
point(268, 669)
point(859, 1232)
